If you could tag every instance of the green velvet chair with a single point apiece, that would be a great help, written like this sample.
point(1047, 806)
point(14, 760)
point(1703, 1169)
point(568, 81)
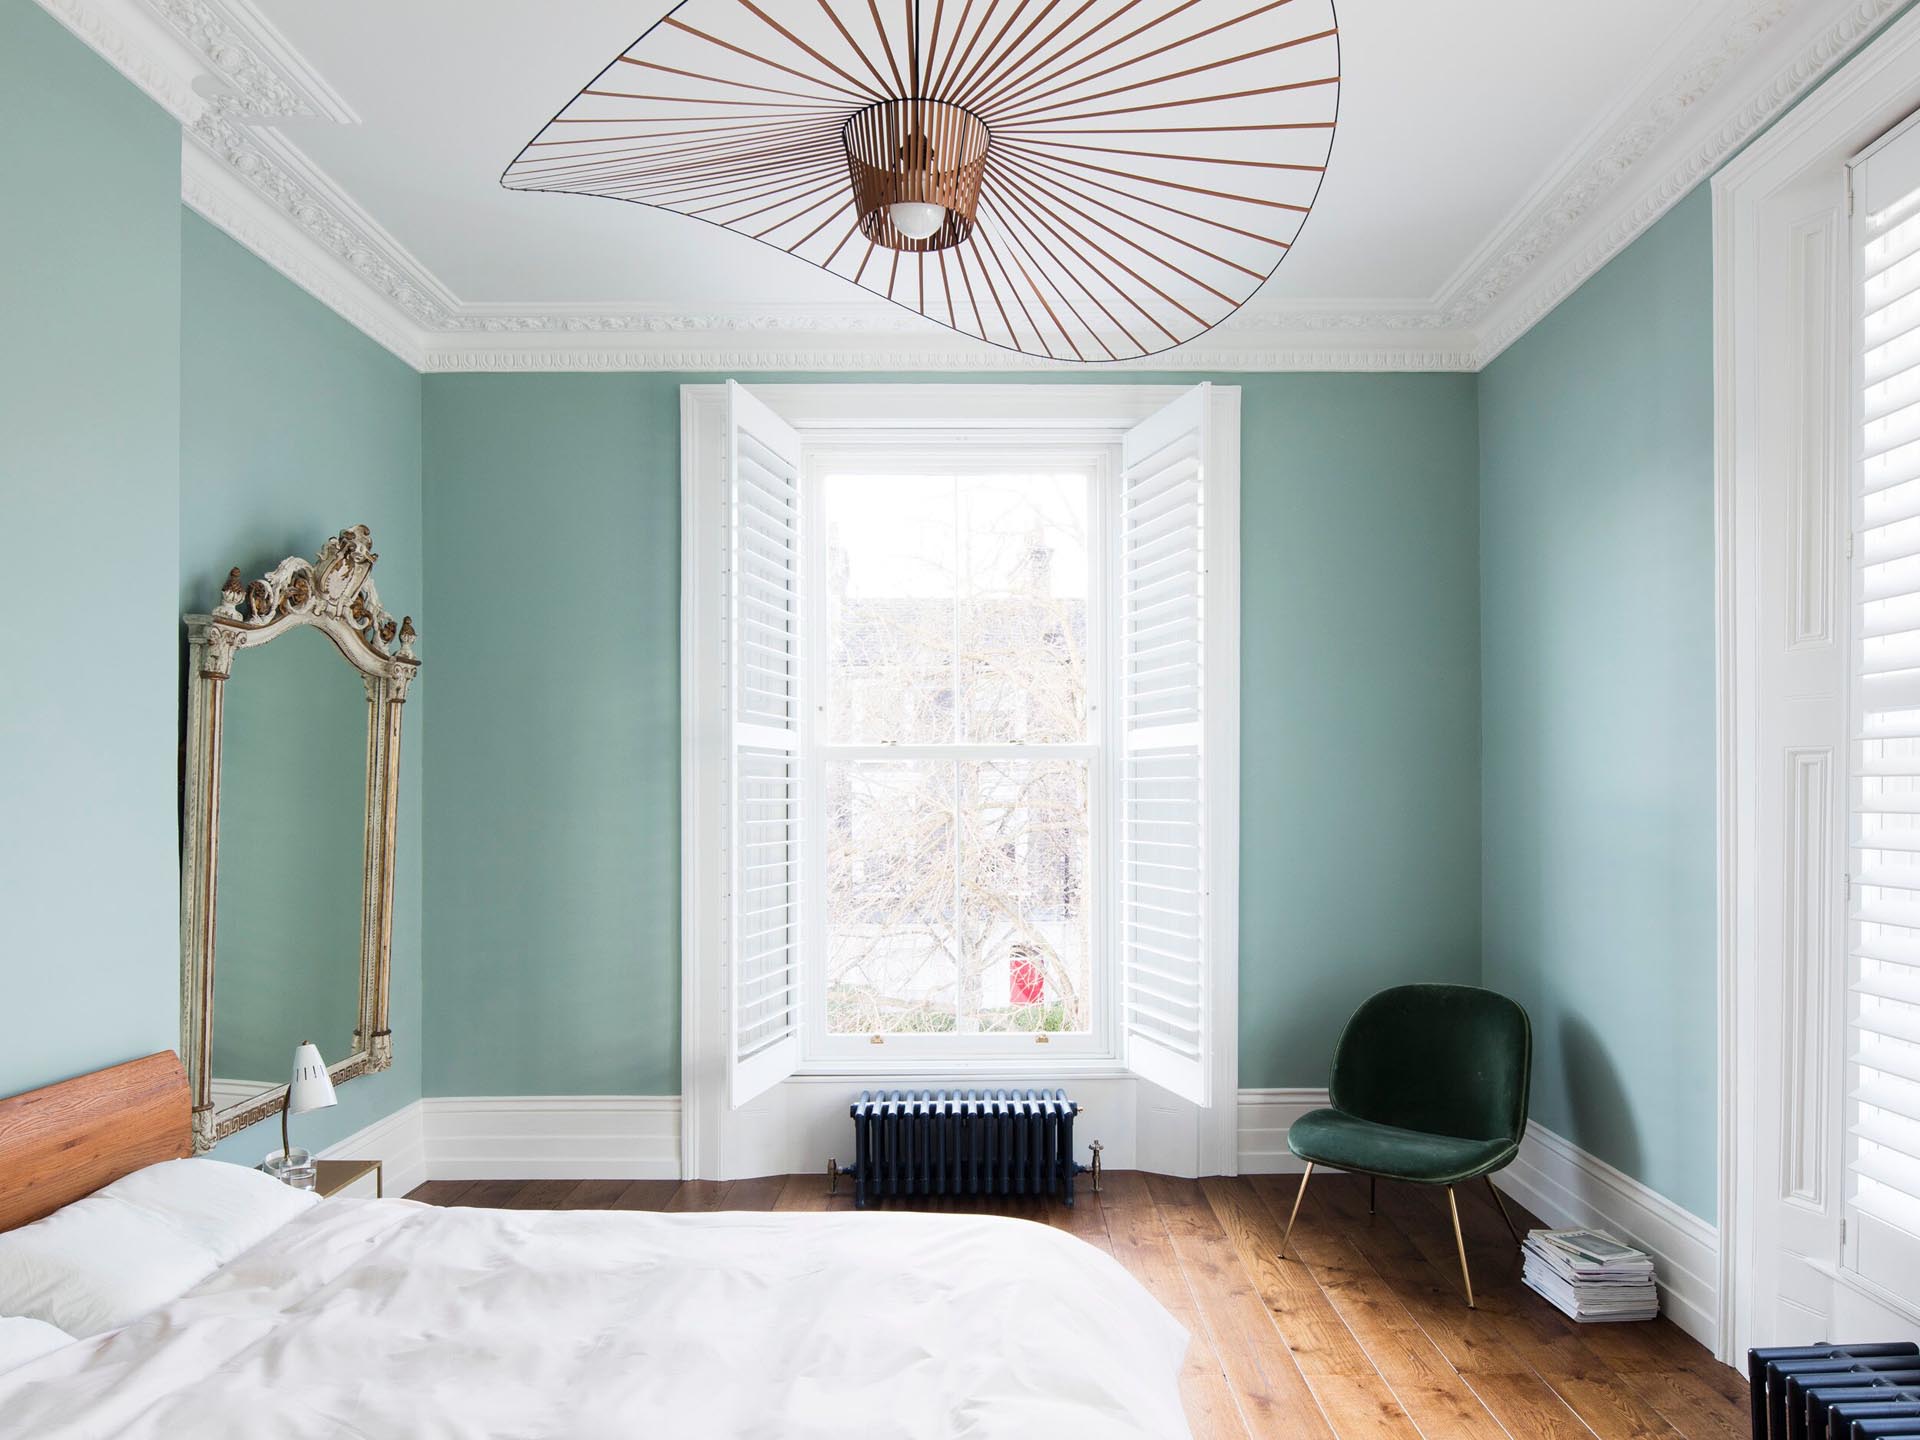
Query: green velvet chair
point(1430, 1085)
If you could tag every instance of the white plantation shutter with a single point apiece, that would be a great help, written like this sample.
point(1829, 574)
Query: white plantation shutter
point(1166, 997)
point(763, 701)
point(1884, 972)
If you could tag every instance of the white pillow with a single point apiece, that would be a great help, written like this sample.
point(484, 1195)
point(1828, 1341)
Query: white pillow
point(97, 1264)
point(141, 1242)
point(225, 1208)
point(22, 1340)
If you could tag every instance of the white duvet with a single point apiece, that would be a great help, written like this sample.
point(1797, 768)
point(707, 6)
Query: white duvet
point(391, 1319)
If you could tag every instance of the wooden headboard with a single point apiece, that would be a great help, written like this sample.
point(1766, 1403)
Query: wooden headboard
point(65, 1141)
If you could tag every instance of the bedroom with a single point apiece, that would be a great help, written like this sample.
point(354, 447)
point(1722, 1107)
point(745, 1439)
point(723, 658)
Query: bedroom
point(1529, 665)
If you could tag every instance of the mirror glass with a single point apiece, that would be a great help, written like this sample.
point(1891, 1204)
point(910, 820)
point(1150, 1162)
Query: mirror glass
point(290, 901)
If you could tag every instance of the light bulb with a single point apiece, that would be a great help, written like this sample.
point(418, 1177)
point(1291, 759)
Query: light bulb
point(916, 219)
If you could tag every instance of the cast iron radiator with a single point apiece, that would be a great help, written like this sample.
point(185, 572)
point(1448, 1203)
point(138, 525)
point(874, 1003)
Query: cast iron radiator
point(1835, 1392)
point(962, 1142)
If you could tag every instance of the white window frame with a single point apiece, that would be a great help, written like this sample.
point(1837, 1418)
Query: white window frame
point(961, 452)
point(801, 1119)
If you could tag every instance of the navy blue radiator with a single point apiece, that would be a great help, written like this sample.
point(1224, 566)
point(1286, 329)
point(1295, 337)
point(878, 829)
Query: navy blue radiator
point(1835, 1392)
point(961, 1143)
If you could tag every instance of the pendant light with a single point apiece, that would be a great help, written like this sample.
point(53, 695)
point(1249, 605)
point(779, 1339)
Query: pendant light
point(915, 167)
point(1096, 181)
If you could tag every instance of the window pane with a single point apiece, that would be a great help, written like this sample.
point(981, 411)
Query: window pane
point(1023, 869)
point(1020, 958)
point(1023, 608)
point(892, 598)
point(890, 897)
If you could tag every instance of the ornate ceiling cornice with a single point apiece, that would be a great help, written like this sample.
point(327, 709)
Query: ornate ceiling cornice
point(265, 77)
point(1709, 105)
point(281, 177)
point(287, 240)
point(132, 39)
point(1607, 163)
point(710, 356)
point(1702, 105)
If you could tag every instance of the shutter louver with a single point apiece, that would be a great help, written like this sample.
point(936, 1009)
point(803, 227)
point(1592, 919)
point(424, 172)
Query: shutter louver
point(1166, 999)
point(764, 795)
point(1884, 929)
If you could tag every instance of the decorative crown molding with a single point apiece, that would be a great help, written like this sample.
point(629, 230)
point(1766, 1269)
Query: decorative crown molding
point(1598, 214)
point(129, 37)
point(1726, 82)
point(266, 76)
point(1605, 165)
point(280, 174)
point(285, 238)
point(714, 355)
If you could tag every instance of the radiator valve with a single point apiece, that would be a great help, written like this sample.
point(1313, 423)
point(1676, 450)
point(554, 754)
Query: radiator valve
point(1094, 1169)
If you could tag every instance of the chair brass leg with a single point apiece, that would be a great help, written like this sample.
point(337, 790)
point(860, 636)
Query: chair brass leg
point(1503, 1210)
point(1294, 1214)
point(1460, 1241)
point(1373, 1191)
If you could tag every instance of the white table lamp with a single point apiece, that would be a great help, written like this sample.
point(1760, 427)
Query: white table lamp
point(309, 1088)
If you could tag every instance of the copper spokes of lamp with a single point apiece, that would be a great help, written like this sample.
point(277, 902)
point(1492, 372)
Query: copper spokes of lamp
point(1096, 181)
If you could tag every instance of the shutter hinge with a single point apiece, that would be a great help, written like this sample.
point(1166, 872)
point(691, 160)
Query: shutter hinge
point(1849, 544)
point(1849, 190)
point(1846, 892)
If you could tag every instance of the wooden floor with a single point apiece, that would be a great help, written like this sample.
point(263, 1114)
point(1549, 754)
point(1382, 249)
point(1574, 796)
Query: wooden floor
point(1361, 1332)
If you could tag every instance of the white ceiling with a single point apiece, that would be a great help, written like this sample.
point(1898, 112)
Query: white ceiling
point(1491, 155)
point(1450, 116)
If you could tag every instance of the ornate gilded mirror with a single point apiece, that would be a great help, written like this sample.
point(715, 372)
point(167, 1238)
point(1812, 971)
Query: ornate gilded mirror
point(292, 789)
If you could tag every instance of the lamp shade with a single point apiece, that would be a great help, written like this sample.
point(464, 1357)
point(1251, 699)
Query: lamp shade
point(311, 1088)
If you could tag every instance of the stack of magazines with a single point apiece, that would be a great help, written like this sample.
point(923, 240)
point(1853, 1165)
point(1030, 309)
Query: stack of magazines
point(1590, 1275)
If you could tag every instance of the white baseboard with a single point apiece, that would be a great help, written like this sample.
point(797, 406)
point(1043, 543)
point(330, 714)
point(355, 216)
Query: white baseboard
point(1566, 1186)
point(1263, 1121)
point(397, 1141)
point(1557, 1181)
point(553, 1137)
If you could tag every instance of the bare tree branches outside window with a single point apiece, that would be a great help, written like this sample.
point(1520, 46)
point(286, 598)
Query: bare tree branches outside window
point(957, 885)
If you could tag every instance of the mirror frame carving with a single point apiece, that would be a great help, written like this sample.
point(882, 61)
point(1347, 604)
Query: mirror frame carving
point(334, 594)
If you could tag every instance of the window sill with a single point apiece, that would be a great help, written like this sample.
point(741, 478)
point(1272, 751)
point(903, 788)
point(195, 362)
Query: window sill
point(986, 1071)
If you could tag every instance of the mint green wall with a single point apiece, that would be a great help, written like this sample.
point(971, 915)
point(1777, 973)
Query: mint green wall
point(552, 880)
point(89, 486)
point(551, 528)
point(1528, 555)
point(553, 872)
point(294, 425)
point(1597, 665)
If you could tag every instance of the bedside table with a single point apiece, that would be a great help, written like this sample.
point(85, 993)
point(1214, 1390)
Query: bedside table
point(333, 1176)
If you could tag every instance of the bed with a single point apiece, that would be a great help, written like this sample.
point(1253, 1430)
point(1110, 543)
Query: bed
point(390, 1318)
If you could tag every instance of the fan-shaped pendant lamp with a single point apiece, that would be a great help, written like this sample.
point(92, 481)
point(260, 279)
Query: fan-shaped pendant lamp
point(1100, 180)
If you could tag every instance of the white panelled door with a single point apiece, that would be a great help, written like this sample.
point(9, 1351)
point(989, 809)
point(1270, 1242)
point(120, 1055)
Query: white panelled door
point(1166, 1000)
point(763, 679)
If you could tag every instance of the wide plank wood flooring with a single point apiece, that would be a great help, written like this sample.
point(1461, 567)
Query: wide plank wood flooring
point(1361, 1333)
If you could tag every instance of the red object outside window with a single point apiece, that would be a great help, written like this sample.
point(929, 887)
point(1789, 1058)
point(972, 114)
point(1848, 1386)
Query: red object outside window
point(1027, 985)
